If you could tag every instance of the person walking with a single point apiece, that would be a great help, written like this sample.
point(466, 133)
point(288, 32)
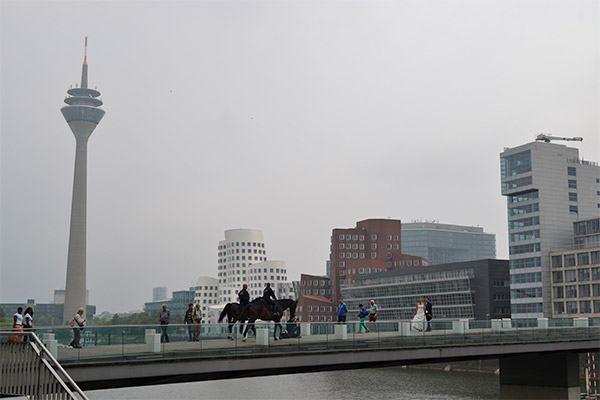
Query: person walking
point(197, 319)
point(419, 318)
point(164, 319)
point(189, 321)
point(373, 312)
point(362, 315)
point(428, 313)
point(28, 323)
point(244, 296)
point(78, 323)
point(17, 326)
point(342, 311)
point(268, 294)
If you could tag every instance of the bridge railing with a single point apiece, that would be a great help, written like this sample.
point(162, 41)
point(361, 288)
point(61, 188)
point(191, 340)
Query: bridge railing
point(143, 342)
point(28, 369)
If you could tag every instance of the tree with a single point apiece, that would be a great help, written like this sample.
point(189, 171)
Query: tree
point(2, 315)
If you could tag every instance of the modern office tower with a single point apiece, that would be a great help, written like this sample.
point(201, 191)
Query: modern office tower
point(372, 246)
point(547, 187)
point(472, 289)
point(159, 293)
point(444, 243)
point(83, 115)
point(242, 258)
point(576, 273)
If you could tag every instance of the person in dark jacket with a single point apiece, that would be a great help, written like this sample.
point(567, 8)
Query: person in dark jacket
point(244, 296)
point(267, 295)
point(164, 319)
point(189, 321)
point(428, 313)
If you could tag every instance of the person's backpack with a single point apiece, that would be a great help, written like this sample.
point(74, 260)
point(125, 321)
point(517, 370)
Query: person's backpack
point(72, 323)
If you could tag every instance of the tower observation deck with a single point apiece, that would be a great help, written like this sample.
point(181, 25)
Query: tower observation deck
point(83, 114)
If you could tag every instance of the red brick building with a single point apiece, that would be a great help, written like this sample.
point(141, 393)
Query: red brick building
point(374, 245)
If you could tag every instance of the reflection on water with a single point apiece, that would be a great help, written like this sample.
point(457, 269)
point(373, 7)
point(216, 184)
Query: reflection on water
point(374, 383)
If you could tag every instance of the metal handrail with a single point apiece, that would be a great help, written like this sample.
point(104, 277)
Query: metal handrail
point(44, 355)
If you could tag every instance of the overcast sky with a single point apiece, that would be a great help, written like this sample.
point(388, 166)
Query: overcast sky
point(292, 117)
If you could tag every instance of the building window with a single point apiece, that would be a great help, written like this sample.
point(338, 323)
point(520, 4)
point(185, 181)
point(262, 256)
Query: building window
point(341, 237)
point(571, 171)
point(583, 258)
point(584, 274)
point(354, 237)
point(558, 292)
point(573, 209)
point(556, 261)
point(388, 237)
point(348, 237)
point(362, 255)
point(572, 196)
point(515, 164)
point(571, 291)
point(396, 238)
point(584, 290)
point(585, 306)
point(374, 237)
point(559, 308)
point(374, 255)
point(569, 260)
point(361, 237)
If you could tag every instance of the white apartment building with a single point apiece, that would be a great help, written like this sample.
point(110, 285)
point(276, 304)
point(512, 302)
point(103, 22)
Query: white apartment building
point(242, 258)
point(548, 187)
point(206, 293)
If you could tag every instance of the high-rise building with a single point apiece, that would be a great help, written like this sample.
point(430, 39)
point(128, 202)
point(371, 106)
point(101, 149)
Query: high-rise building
point(374, 245)
point(159, 293)
point(444, 243)
point(83, 114)
point(548, 187)
point(207, 295)
point(242, 258)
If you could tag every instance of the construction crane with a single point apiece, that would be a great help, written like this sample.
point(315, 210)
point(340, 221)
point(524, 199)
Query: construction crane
point(548, 138)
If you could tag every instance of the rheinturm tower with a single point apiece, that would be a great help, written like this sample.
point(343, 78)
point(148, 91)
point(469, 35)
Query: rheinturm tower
point(83, 114)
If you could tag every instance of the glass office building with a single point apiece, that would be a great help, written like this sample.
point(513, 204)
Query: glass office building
point(444, 243)
point(474, 289)
point(547, 188)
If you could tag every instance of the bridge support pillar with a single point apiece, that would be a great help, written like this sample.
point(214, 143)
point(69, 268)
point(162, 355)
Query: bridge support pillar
point(341, 332)
point(51, 344)
point(542, 323)
point(305, 329)
point(539, 376)
point(262, 336)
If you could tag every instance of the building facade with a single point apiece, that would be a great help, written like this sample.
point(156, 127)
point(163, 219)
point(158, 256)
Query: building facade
point(177, 304)
point(548, 187)
point(159, 293)
point(242, 258)
point(316, 299)
point(206, 294)
point(374, 245)
point(474, 289)
point(576, 273)
point(445, 243)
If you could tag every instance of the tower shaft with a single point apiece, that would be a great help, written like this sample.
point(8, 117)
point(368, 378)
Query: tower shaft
point(75, 289)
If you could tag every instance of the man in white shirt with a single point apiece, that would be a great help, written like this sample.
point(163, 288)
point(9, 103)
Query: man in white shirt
point(78, 325)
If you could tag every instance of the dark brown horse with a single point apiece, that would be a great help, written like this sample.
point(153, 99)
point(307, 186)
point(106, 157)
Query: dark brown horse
point(260, 309)
point(234, 312)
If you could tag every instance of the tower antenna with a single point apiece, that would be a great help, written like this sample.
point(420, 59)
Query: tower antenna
point(85, 52)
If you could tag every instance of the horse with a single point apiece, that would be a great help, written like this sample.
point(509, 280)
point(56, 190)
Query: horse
point(260, 309)
point(234, 314)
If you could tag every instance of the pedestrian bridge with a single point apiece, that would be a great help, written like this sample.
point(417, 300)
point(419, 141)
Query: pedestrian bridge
point(534, 356)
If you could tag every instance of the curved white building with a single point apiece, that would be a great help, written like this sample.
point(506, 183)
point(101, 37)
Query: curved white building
point(242, 258)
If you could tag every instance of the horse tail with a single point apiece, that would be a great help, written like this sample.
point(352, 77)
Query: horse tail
point(224, 312)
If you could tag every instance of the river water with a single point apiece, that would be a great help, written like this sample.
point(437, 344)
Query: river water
point(374, 383)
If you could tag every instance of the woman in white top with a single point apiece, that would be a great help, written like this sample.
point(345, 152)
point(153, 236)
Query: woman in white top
point(419, 318)
point(18, 325)
point(28, 321)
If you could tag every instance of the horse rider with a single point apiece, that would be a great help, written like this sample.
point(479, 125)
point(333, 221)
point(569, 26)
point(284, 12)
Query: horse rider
point(244, 296)
point(267, 295)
